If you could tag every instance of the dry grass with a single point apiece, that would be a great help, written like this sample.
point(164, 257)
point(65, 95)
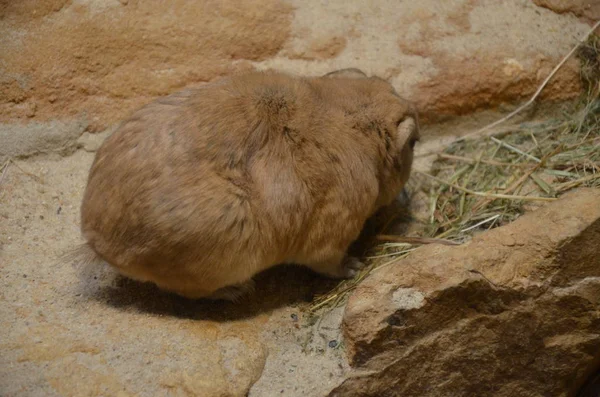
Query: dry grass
point(488, 182)
point(484, 182)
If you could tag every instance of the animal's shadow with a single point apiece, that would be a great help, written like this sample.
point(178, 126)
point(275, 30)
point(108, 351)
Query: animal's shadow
point(284, 285)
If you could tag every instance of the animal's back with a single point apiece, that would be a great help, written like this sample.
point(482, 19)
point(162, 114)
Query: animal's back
point(199, 176)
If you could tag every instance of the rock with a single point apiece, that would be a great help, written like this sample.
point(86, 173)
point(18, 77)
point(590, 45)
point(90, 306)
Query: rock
point(200, 366)
point(450, 59)
point(236, 370)
point(101, 59)
point(586, 9)
point(322, 48)
point(106, 58)
point(21, 140)
point(513, 312)
point(92, 142)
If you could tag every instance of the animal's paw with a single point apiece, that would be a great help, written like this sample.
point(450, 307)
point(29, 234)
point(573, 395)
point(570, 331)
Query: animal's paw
point(351, 266)
point(233, 293)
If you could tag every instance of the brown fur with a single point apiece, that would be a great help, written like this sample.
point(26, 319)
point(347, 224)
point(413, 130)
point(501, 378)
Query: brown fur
point(199, 191)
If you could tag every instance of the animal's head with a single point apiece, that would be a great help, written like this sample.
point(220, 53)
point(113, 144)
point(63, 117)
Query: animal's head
point(390, 122)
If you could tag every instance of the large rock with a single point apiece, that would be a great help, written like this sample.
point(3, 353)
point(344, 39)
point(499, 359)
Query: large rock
point(103, 58)
point(513, 312)
point(98, 60)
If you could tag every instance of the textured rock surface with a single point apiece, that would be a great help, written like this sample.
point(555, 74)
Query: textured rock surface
point(586, 9)
point(450, 58)
point(102, 58)
point(99, 59)
point(516, 311)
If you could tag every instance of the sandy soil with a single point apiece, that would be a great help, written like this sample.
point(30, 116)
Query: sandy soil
point(98, 334)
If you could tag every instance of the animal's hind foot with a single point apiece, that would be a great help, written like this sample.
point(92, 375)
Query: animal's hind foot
point(233, 292)
point(351, 266)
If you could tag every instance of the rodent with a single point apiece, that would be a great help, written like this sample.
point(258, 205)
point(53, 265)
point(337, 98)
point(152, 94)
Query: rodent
point(200, 190)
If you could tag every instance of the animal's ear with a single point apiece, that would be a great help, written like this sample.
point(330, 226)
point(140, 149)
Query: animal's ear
point(408, 129)
point(349, 73)
point(407, 132)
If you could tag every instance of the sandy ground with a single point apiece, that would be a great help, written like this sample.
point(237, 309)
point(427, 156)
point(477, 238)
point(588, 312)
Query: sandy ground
point(62, 334)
